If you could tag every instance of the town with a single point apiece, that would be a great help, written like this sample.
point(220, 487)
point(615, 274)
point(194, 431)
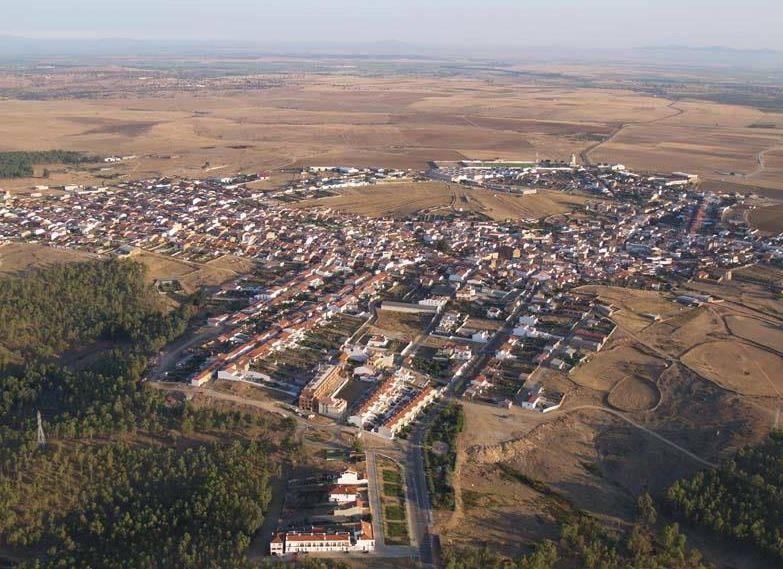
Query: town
point(367, 323)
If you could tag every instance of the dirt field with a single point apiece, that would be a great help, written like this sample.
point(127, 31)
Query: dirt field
point(636, 307)
point(400, 200)
point(633, 393)
point(676, 335)
point(18, 257)
point(769, 219)
point(192, 275)
point(738, 367)
point(399, 325)
point(711, 139)
point(615, 363)
point(398, 121)
point(757, 331)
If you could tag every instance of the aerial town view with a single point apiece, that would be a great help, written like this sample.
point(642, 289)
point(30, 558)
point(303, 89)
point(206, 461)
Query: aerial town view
point(335, 285)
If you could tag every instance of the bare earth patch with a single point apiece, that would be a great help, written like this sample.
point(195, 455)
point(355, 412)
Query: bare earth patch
point(738, 367)
point(634, 394)
point(19, 257)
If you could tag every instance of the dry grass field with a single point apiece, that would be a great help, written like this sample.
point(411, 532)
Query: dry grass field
point(19, 257)
point(403, 199)
point(398, 121)
point(192, 275)
point(616, 363)
point(706, 379)
point(399, 325)
point(633, 393)
point(757, 331)
point(636, 308)
point(769, 219)
point(738, 367)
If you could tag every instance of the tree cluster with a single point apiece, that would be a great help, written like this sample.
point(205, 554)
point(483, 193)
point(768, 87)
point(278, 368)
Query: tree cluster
point(440, 465)
point(148, 507)
point(741, 499)
point(106, 306)
point(19, 164)
point(109, 490)
point(590, 544)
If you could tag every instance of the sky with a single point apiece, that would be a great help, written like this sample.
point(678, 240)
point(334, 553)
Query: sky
point(746, 24)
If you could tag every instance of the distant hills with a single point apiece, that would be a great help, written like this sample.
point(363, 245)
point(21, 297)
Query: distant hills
point(14, 48)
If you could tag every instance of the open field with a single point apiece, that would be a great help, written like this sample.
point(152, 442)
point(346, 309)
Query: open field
point(738, 367)
point(675, 335)
point(637, 308)
point(632, 393)
point(18, 257)
point(615, 364)
point(396, 121)
point(399, 325)
point(400, 200)
point(757, 331)
point(769, 219)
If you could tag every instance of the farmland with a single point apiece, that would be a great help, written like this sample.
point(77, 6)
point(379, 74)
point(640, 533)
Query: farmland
point(393, 121)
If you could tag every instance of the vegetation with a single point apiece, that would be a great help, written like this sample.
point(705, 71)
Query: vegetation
point(440, 465)
point(588, 543)
point(153, 507)
point(20, 164)
point(104, 304)
point(742, 499)
point(393, 504)
point(108, 489)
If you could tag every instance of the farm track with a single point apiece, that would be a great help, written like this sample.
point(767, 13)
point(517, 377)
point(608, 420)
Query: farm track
point(644, 429)
point(760, 161)
point(584, 155)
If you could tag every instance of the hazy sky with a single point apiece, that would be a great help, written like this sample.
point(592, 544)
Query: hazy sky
point(469, 23)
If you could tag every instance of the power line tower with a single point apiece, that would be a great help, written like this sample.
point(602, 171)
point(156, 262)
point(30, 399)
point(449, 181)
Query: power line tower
point(41, 436)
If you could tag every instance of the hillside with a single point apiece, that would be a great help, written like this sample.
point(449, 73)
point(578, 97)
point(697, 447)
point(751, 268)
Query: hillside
point(126, 478)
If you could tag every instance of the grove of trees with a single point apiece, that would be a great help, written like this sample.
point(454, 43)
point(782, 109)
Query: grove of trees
point(741, 499)
point(590, 544)
point(440, 464)
point(127, 479)
point(19, 164)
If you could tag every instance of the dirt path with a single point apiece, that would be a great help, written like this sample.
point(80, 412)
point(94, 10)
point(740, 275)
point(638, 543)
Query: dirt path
point(760, 161)
point(644, 429)
point(259, 546)
point(584, 155)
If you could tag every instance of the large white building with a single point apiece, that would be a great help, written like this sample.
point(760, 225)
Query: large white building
point(286, 543)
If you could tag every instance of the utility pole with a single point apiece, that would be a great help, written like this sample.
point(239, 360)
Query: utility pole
point(777, 420)
point(41, 436)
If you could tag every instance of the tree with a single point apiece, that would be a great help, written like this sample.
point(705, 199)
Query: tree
point(645, 509)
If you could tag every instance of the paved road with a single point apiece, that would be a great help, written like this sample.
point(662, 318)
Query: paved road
point(417, 501)
point(373, 492)
point(418, 495)
point(172, 353)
